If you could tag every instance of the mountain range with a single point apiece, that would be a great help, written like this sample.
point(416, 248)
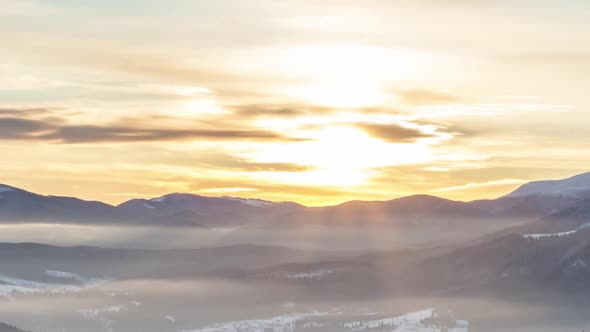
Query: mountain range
point(559, 198)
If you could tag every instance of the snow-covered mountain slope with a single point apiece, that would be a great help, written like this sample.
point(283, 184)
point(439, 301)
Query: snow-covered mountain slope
point(4, 188)
point(549, 235)
point(67, 283)
point(569, 219)
point(576, 186)
point(249, 201)
point(284, 323)
point(197, 210)
point(420, 321)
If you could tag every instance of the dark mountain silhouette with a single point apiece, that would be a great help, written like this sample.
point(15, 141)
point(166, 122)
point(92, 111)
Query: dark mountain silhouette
point(8, 328)
point(532, 201)
point(17, 205)
point(415, 209)
point(31, 260)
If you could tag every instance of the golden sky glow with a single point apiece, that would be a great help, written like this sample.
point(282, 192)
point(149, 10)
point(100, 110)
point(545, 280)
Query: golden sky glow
point(312, 101)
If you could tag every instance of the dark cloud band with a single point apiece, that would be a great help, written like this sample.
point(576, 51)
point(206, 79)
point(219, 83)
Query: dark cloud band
point(393, 133)
point(55, 129)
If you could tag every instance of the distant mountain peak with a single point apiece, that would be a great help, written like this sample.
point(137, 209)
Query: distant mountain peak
point(7, 188)
point(188, 197)
point(575, 186)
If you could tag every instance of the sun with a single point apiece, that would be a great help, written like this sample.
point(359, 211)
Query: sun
point(337, 156)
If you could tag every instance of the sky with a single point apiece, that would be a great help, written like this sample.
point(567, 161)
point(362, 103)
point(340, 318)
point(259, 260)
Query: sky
point(318, 102)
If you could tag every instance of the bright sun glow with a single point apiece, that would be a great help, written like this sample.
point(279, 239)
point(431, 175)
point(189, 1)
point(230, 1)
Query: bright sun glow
point(339, 155)
point(202, 106)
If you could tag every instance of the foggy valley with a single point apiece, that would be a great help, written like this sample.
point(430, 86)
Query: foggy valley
point(294, 166)
point(418, 263)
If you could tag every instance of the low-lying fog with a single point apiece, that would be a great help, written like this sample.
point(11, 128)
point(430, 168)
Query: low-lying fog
point(328, 286)
point(186, 305)
point(308, 237)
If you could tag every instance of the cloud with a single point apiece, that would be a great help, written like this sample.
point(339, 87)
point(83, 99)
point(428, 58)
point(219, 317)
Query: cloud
point(288, 110)
point(562, 58)
point(393, 132)
point(216, 159)
point(55, 129)
point(275, 167)
point(481, 184)
point(226, 190)
point(266, 111)
point(26, 111)
point(161, 156)
point(16, 128)
point(426, 97)
point(89, 134)
point(572, 63)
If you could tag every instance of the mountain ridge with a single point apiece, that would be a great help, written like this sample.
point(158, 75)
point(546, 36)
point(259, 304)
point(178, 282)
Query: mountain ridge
point(523, 190)
point(577, 185)
point(536, 199)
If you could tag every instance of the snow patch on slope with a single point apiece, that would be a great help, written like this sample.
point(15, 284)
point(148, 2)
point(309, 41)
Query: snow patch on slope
point(541, 236)
point(10, 286)
point(159, 200)
point(284, 323)
point(248, 201)
point(415, 321)
point(313, 275)
point(23, 287)
point(93, 313)
point(555, 235)
point(4, 189)
point(412, 322)
point(98, 315)
point(65, 275)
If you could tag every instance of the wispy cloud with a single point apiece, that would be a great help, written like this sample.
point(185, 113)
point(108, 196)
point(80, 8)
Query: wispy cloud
point(58, 130)
point(97, 134)
point(26, 111)
point(226, 190)
point(481, 184)
point(428, 97)
point(394, 132)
